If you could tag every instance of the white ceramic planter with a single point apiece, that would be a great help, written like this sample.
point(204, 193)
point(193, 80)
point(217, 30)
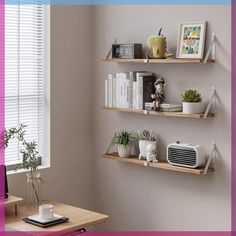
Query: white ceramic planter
point(143, 147)
point(193, 107)
point(124, 151)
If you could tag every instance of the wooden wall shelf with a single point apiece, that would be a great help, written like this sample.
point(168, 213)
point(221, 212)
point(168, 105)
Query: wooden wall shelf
point(158, 61)
point(159, 165)
point(162, 114)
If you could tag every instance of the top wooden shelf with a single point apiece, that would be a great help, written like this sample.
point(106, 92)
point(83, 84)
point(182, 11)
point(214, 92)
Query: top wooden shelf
point(157, 61)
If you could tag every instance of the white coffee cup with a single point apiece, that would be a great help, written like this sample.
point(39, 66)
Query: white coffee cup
point(46, 211)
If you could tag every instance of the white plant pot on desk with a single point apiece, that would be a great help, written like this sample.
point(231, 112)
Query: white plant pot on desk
point(124, 150)
point(143, 147)
point(193, 107)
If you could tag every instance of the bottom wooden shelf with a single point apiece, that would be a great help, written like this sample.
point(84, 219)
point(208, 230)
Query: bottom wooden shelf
point(159, 165)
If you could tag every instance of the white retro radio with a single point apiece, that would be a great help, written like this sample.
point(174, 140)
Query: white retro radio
point(186, 155)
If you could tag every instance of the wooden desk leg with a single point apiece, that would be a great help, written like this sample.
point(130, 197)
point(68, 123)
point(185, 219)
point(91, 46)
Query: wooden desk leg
point(16, 210)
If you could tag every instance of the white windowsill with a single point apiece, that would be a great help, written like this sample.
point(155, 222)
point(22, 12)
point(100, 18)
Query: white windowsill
point(18, 171)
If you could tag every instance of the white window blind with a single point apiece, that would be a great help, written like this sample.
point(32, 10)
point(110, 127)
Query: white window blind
point(26, 76)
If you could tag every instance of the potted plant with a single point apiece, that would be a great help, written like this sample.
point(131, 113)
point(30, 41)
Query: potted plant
point(30, 161)
point(192, 101)
point(123, 140)
point(146, 137)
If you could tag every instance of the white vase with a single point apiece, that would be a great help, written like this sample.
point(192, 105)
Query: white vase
point(143, 147)
point(124, 150)
point(193, 107)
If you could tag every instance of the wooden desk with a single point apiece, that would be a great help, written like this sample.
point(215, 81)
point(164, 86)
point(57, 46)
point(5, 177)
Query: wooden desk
point(13, 201)
point(78, 219)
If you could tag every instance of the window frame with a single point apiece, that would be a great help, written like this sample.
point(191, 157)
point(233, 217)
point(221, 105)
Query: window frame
point(45, 160)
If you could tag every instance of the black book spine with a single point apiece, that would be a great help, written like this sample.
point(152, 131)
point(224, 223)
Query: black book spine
point(148, 89)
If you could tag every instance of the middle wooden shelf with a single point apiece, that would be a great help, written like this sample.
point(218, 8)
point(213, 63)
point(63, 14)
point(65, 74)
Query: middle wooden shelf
point(162, 114)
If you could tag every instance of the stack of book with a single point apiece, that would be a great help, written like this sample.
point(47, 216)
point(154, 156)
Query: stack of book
point(165, 107)
point(129, 90)
point(169, 107)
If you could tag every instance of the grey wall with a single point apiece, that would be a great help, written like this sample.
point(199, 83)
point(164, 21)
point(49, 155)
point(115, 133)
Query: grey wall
point(69, 178)
point(137, 198)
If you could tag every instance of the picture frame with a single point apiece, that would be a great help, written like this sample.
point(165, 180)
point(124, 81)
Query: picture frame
point(191, 40)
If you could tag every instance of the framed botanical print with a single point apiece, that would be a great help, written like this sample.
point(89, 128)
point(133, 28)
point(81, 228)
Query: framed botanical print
point(191, 40)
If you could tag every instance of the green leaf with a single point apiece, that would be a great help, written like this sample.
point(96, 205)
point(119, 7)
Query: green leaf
point(191, 96)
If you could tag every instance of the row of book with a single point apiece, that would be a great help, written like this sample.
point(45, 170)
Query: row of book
point(129, 90)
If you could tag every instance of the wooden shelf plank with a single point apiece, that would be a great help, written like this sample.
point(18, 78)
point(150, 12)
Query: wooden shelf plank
point(159, 165)
point(155, 113)
point(157, 61)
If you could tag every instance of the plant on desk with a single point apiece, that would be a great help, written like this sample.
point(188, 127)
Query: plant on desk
point(30, 161)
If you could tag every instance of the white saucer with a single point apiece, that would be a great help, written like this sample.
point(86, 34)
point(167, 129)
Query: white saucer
point(37, 218)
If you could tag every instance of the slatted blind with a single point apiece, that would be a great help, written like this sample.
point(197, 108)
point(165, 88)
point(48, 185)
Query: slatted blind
point(25, 75)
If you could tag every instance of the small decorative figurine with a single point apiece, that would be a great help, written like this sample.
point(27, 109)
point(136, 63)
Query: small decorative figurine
point(157, 43)
point(159, 96)
point(146, 137)
point(151, 153)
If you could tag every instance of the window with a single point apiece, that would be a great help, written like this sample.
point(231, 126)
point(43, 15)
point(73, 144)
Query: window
point(27, 77)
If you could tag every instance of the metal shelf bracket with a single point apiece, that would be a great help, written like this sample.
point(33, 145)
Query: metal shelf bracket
point(211, 157)
point(211, 50)
point(110, 50)
point(211, 102)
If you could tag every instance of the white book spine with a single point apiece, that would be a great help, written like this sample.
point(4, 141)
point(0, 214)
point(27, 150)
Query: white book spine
point(106, 93)
point(140, 92)
point(127, 92)
point(113, 91)
point(110, 90)
point(122, 91)
point(117, 90)
point(134, 95)
point(131, 79)
point(137, 94)
point(126, 88)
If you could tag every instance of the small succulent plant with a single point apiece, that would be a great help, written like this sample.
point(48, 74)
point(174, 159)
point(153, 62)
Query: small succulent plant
point(191, 96)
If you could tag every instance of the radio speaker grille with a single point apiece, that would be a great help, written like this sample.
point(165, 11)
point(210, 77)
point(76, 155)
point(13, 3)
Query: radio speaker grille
point(186, 156)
